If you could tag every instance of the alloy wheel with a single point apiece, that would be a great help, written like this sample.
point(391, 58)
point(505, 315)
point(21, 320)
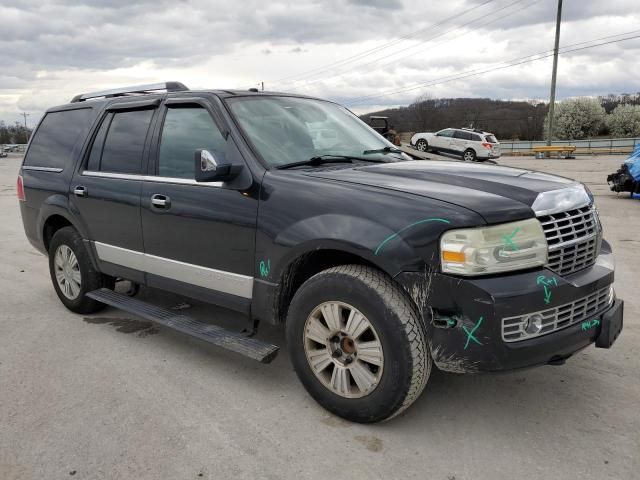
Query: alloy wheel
point(67, 271)
point(343, 349)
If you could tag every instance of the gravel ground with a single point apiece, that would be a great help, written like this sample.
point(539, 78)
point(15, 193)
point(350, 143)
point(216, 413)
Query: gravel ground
point(113, 397)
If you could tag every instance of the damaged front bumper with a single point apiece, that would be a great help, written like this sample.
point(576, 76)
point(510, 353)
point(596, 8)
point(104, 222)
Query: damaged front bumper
point(518, 320)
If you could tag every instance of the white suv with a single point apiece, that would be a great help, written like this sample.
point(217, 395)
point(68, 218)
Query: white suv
point(472, 145)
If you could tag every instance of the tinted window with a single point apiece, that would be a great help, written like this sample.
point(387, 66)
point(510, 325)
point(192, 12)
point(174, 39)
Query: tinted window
point(445, 133)
point(98, 143)
point(56, 137)
point(475, 137)
point(491, 139)
point(186, 130)
point(462, 135)
point(122, 152)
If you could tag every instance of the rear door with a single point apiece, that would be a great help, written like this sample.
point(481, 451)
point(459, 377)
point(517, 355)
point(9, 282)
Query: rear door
point(106, 189)
point(199, 237)
point(461, 141)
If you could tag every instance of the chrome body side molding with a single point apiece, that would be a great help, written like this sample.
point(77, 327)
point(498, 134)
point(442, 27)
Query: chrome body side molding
point(219, 280)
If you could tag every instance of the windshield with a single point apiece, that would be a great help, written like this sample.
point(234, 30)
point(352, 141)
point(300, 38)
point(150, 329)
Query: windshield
point(287, 129)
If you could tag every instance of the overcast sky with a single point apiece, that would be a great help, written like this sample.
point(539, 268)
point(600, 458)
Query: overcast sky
point(342, 50)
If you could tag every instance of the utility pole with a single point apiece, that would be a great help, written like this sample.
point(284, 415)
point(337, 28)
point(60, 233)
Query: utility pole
point(552, 103)
point(262, 83)
point(25, 115)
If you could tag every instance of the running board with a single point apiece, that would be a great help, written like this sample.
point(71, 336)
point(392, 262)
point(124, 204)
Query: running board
point(236, 342)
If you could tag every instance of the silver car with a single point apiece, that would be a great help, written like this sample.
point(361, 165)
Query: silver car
point(472, 145)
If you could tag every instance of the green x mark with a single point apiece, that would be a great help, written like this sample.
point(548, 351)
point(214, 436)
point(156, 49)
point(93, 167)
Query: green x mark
point(470, 335)
point(508, 240)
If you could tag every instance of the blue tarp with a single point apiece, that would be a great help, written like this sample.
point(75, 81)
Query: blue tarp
point(633, 163)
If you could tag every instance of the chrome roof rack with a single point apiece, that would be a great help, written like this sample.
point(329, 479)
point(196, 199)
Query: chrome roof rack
point(139, 89)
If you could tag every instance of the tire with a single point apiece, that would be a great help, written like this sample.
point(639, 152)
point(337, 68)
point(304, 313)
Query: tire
point(469, 155)
point(422, 145)
point(80, 276)
point(401, 350)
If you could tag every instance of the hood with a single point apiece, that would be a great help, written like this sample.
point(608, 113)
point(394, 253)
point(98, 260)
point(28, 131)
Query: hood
point(499, 194)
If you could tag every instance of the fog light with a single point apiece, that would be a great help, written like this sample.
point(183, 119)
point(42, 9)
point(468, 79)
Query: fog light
point(532, 324)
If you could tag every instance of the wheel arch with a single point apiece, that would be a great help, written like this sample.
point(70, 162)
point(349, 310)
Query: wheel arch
point(313, 261)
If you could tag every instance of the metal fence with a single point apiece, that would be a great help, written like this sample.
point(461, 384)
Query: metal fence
point(603, 146)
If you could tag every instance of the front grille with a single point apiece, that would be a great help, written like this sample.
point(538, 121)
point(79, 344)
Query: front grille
point(553, 319)
point(573, 239)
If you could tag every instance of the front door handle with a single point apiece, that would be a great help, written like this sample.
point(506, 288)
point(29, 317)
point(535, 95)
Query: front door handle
point(161, 202)
point(80, 191)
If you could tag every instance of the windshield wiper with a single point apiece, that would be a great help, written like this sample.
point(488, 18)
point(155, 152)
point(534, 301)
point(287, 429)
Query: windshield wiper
point(382, 150)
point(329, 158)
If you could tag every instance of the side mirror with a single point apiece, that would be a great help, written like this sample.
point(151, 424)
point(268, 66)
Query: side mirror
point(210, 169)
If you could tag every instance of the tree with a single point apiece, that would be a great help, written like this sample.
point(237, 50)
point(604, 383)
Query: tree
point(624, 121)
point(577, 118)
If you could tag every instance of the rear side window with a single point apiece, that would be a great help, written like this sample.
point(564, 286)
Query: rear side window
point(119, 143)
point(186, 130)
point(475, 137)
point(57, 136)
point(462, 135)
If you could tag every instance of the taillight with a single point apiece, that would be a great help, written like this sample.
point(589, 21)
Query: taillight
point(487, 145)
point(20, 189)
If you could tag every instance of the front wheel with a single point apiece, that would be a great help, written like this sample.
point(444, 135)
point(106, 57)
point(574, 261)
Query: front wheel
point(357, 344)
point(422, 145)
point(469, 155)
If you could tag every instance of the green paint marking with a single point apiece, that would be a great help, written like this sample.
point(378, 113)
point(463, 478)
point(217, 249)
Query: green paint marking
point(451, 322)
point(590, 324)
point(397, 234)
point(547, 295)
point(508, 240)
point(265, 268)
point(470, 335)
point(547, 283)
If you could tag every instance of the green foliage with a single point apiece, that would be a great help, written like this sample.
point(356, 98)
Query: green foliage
point(624, 121)
point(577, 118)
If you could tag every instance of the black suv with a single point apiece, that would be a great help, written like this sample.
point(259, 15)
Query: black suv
point(378, 266)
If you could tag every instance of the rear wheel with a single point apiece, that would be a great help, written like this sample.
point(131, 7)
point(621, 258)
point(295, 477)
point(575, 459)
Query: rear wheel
point(422, 145)
point(72, 272)
point(469, 155)
point(356, 343)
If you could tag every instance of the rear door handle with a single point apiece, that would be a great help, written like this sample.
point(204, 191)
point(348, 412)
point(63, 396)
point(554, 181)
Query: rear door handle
point(161, 202)
point(80, 191)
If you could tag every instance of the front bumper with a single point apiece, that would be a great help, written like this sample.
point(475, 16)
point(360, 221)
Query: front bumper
point(463, 316)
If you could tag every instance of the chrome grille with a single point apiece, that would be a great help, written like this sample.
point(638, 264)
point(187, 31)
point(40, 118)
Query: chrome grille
point(553, 319)
point(573, 239)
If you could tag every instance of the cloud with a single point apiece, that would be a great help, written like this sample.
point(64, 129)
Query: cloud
point(55, 49)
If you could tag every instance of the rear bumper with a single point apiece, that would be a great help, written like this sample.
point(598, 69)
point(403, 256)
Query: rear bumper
point(463, 317)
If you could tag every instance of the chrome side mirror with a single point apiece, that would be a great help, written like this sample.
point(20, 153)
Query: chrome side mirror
point(210, 169)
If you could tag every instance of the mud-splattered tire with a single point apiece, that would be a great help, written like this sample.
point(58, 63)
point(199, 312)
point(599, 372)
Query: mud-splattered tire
point(405, 363)
point(68, 241)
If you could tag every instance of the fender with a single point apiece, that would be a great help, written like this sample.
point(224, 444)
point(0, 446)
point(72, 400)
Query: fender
point(59, 204)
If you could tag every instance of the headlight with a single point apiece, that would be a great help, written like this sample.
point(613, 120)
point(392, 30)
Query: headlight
point(500, 248)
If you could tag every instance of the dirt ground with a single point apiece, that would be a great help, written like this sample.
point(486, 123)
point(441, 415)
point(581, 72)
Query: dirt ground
point(113, 397)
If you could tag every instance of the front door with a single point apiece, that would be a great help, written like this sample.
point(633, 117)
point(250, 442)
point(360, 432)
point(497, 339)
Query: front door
point(106, 190)
point(442, 139)
point(199, 237)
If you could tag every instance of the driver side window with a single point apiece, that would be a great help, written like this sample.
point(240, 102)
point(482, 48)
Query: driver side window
point(445, 133)
point(185, 130)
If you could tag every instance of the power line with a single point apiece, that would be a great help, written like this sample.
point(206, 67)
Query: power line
point(393, 54)
point(476, 72)
point(384, 46)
